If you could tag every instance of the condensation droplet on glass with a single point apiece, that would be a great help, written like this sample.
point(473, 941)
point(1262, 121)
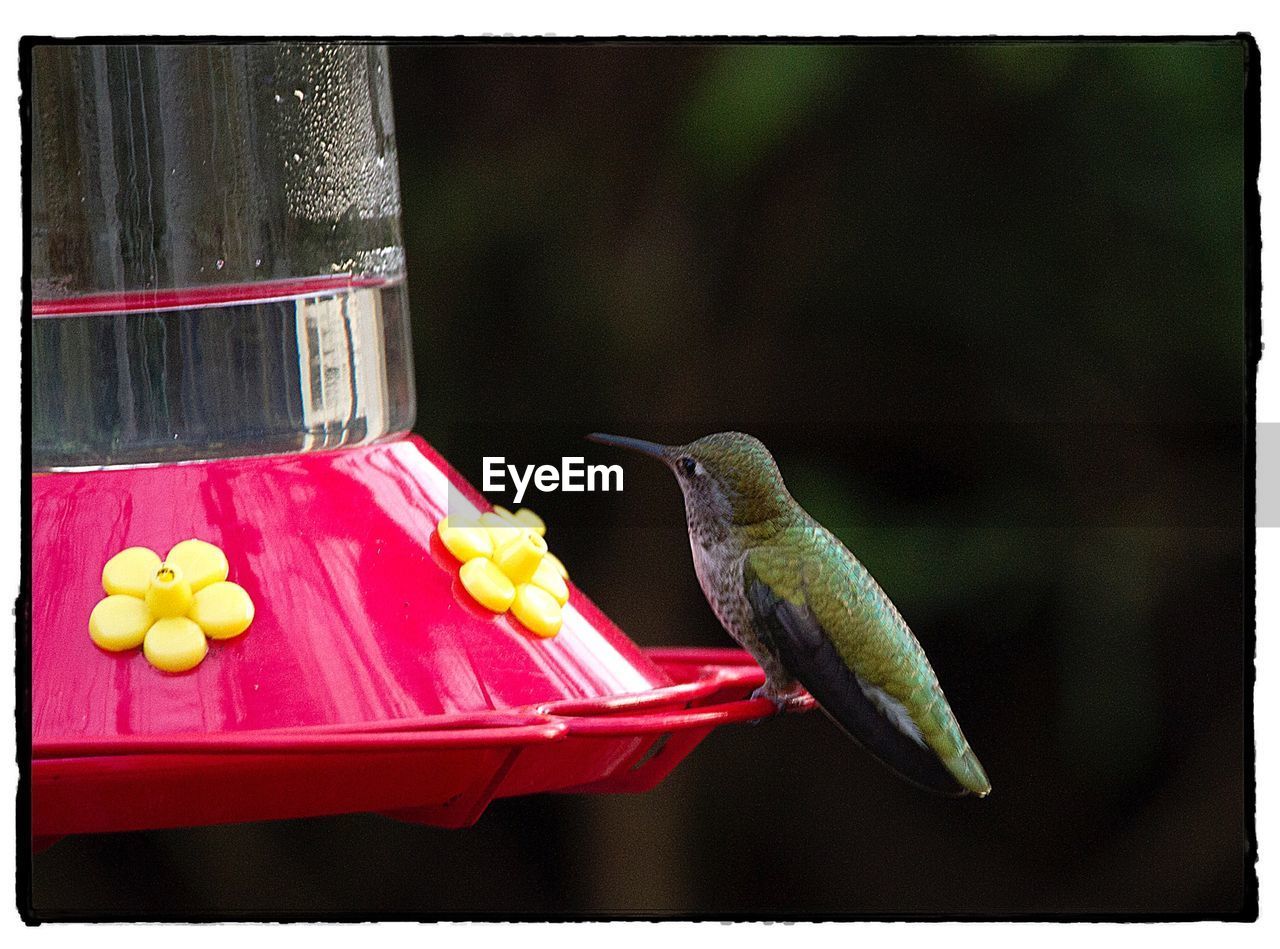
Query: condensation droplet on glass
point(297, 157)
point(298, 93)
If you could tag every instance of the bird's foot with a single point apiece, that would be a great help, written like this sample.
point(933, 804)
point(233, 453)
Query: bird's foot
point(780, 698)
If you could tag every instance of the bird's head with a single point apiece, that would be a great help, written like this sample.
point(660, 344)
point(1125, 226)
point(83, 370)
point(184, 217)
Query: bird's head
point(728, 477)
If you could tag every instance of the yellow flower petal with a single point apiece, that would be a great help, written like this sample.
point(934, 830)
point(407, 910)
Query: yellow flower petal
point(549, 579)
point(130, 571)
point(201, 562)
point(555, 562)
point(119, 622)
point(464, 517)
point(487, 584)
point(465, 543)
point(222, 610)
point(526, 518)
point(175, 644)
point(503, 513)
point(537, 610)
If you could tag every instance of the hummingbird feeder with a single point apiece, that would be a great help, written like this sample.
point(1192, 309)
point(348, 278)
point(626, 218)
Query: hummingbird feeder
point(243, 603)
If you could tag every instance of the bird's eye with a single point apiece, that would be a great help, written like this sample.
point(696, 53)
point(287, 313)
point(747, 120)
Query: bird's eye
point(688, 466)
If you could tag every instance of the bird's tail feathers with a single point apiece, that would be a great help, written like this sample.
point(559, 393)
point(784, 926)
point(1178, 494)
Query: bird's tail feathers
point(966, 769)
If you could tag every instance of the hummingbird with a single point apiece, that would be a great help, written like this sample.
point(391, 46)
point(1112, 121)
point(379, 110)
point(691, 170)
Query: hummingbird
point(809, 613)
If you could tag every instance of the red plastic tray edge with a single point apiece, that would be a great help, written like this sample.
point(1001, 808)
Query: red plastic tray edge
point(623, 745)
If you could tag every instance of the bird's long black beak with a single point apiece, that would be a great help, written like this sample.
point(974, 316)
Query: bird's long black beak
point(652, 449)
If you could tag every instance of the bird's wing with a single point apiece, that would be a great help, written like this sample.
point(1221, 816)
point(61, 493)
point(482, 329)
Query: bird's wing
point(868, 712)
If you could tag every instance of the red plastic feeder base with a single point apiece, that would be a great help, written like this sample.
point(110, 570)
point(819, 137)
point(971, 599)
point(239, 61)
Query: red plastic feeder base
point(369, 680)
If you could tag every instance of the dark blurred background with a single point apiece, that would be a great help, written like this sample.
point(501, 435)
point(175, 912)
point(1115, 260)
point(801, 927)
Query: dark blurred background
point(985, 304)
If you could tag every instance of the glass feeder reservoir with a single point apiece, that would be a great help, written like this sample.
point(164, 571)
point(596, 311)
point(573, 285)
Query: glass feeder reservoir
point(232, 215)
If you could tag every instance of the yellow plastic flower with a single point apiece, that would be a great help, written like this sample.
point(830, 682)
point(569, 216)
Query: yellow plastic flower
point(169, 607)
point(506, 566)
